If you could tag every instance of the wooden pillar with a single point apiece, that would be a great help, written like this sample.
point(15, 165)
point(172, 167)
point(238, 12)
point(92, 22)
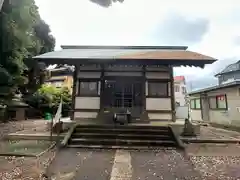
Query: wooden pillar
point(102, 80)
point(144, 89)
point(144, 115)
point(173, 107)
point(74, 91)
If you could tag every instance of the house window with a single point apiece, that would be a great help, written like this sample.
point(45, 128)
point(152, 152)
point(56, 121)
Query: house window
point(218, 102)
point(195, 103)
point(88, 88)
point(192, 104)
point(184, 90)
point(158, 89)
point(176, 88)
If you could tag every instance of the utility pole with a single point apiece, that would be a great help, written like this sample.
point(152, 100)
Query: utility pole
point(1, 3)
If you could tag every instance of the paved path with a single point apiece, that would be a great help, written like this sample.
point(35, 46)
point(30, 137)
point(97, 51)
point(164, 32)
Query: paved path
point(82, 164)
point(79, 164)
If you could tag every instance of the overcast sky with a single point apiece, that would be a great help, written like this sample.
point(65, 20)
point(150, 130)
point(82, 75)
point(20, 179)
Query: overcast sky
point(208, 27)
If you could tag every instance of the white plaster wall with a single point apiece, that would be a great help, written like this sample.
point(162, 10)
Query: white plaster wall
point(195, 115)
point(85, 114)
point(160, 116)
point(182, 112)
point(180, 98)
point(87, 103)
point(89, 74)
point(157, 75)
point(220, 116)
point(232, 114)
point(158, 104)
point(228, 116)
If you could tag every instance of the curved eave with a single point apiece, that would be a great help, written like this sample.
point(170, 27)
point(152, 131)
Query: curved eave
point(174, 62)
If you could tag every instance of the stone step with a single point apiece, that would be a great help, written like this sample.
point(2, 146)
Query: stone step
point(113, 135)
point(129, 126)
point(120, 147)
point(122, 131)
point(120, 142)
point(122, 135)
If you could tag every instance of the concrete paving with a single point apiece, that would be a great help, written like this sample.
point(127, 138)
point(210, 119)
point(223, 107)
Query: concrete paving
point(83, 164)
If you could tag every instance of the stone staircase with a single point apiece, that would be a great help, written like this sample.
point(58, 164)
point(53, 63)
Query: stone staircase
point(122, 136)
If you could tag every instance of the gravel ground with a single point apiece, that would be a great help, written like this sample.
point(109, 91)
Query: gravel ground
point(208, 132)
point(216, 161)
point(206, 162)
point(208, 149)
point(217, 167)
point(21, 168)
point(162, 164)
point(10, 127)
point(27, 126)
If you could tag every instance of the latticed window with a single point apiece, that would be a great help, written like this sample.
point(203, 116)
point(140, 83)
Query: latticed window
point(88, 88)
point(195, 103)
point(158, 89)
point(218, 102)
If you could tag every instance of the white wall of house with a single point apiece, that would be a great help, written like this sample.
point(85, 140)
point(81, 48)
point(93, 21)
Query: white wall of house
point(180, 92)
point(231, 115)
point(195, 114)
point(228, 116)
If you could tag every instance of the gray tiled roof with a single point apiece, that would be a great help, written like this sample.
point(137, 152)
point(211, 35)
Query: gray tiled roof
point(90, 53)
point(230, 68)
point(124, 52)
point(221, 86)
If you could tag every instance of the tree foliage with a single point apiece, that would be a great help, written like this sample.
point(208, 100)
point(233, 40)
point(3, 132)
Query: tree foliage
point(22, 34)
point(48, 97)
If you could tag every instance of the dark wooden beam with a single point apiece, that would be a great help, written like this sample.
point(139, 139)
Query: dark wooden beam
point(172, 95)
point(102, 88)
point(160, 111)
point(75, 79)
point(86, 110)
point(144, 88)
point(172, 62)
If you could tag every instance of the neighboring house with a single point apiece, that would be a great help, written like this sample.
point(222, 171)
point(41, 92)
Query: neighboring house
point(180, 90)
point(229, 74)
point(137, 79)
point(61, 77)
point(220, 103)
